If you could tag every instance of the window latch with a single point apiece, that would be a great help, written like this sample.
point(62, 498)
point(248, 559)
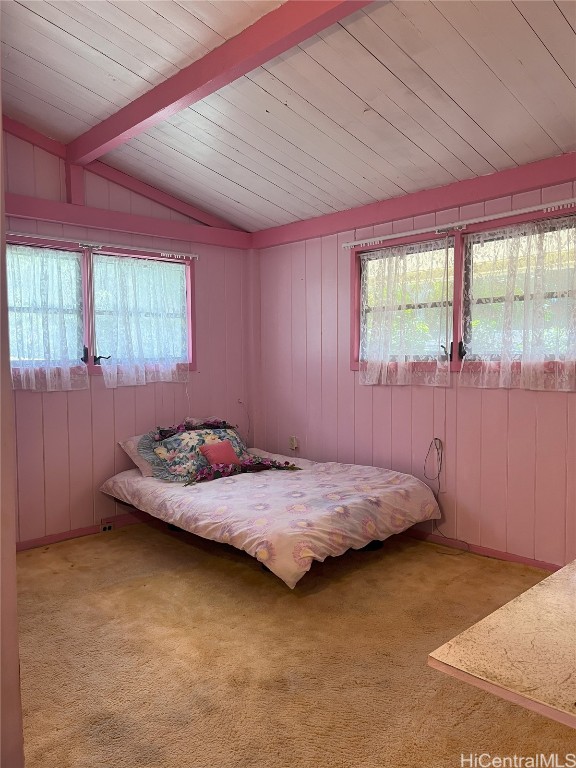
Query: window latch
point(84, 357)
point(461, 350)
point(97, 358)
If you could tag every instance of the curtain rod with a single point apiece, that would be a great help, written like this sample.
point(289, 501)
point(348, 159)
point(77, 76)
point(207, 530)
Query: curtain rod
point(99, 246)
point(552, 207)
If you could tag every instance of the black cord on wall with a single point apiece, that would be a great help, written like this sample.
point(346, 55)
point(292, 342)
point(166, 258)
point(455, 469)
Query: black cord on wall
point(435, 448)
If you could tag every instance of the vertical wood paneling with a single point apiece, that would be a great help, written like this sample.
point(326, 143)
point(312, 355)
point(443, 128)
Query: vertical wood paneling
point(269, 352)
point(346, 417)
point(81, 482)
point(124, 402)
point(216, 351)
point(314, 347)
point(283, 344)
point(164, 400)
point(422, 436)
point(363, 423)
point(67, 442)
point(234, 341)
point(206, 293)
point(550, 491)
point(253, 347)
point(103, 445)
point(47, 169)
point(571, 481)
point(30, 461)
point(382, 427)
point(468, 439)
point(144, 409)
point(493, 469)
point(181, 409)
point(402, 429)
point(56, 461)
point(118, 197)
point(20, 167)
point(495, 491)
point(498, 490)
point(329, 358)
point(299, 346)
point(422, 431)
point(447, 526)
point(363, 409)
point(521, 472)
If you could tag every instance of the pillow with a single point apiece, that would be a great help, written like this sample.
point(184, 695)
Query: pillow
point(220, 453)
point(178, 458)
point(140, 448)
point(130, 446)
point(162, 433)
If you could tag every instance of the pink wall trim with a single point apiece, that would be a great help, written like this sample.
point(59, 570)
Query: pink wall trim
point(477, 550)
point(355, 296)
point(535, 706)
point(191, 306)
point(33, 137)
point(271, 35)
point(543, 173)
point(23, 207)
point(120, 521)
point(44, 541)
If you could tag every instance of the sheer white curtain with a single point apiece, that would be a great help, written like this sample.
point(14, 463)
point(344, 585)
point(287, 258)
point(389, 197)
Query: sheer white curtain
point(45, 318)
point(520, 307)
point(140, 314)
point(406, 314)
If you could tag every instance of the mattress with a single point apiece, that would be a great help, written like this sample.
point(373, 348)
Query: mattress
point(287, 519)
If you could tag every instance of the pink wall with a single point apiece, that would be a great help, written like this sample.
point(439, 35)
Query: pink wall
point(11, 743)
point(509, 481)
point(67, 442)
point(273, 330)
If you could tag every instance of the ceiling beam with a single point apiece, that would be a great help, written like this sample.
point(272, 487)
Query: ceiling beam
point(273, 34)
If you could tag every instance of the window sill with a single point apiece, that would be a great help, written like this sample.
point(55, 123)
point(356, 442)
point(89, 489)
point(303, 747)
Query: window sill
point(96, 370)
point(455, 366)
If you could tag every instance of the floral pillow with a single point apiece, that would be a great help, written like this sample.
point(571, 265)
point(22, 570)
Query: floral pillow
point(178, 458)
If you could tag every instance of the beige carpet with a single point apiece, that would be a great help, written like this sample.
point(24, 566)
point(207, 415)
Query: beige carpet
point(142, 648)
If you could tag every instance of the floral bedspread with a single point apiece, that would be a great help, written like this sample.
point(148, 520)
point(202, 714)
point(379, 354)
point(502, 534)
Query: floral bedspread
point(287, 519)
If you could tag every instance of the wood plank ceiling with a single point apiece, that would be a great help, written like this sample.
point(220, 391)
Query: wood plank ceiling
point(399, 97)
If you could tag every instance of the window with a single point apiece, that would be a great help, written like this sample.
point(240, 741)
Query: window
point(141, 319)
point(406, 313)
point(514, 301)
point(519, 325)
point(137, 316)
point(45, 312)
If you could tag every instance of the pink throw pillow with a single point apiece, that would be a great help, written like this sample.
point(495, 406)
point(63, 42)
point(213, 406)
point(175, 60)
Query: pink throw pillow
point(221, 452)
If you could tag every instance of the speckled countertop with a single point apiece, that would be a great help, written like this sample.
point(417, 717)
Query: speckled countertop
point(528, 646)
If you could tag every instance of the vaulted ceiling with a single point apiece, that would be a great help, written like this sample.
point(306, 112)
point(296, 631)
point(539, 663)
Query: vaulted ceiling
point(394, 98)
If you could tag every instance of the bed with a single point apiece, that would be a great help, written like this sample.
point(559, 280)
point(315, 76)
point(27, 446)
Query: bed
point(286, 519)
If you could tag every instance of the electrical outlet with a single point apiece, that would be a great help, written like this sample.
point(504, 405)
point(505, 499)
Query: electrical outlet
point(293, 441)
point(107, 527)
